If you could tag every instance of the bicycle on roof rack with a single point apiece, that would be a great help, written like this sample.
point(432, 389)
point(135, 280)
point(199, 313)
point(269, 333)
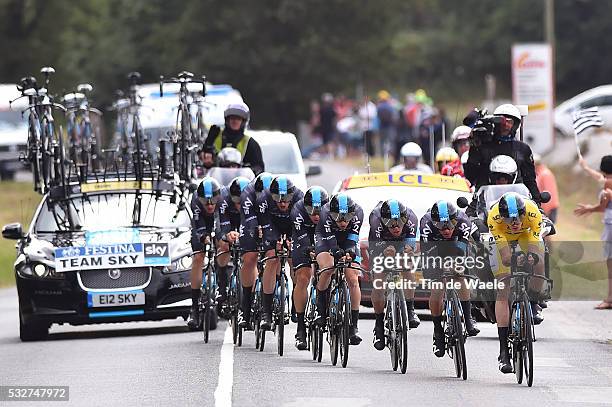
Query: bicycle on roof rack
point(186, 137)
point(45, 150)
point(84, 149)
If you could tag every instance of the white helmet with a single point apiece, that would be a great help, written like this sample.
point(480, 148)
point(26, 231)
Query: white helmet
point(508, 110)
point(237, 109)
point(503, 166)
point(411, 150)
point(461, 133)
point(465, 157)
point(229, 156)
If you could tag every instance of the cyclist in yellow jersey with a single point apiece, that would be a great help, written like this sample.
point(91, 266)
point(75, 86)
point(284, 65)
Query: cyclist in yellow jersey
point(514, 218)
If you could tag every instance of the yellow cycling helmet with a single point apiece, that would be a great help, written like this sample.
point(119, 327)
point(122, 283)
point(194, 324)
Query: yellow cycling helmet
point(446, 154)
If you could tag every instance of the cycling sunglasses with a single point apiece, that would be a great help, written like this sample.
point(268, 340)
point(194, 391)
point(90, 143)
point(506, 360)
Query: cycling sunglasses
point(447, 224)
point(394, 222)
point(342, 217)
point(210, 201)
point(282, 198)
point(312, 210)
point(513, 219)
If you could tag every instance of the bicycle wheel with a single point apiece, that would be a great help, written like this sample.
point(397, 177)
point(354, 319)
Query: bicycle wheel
point(319, 341)
point(402, 334)
point(309, 318)
point(516, 347)
point(207, 314)
point(345, 307)
point(233, 301)
point(391, 320)
point(528, 342)
point(333, 331)
point(46, 154)
point(458, 338)
point(280, 316)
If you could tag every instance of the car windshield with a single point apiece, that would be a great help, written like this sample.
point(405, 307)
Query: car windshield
point(279, 158)
point(113, 210)
point(490, 194)
point(11, 120)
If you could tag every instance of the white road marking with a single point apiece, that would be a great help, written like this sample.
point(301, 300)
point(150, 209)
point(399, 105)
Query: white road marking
point(223, 393)
point(329, 402)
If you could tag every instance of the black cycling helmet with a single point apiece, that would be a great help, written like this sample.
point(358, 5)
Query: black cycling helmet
point(282, 189)
point(512, 207)
point(444, 215)
point(341, 207)
point(393, 213)
point(209, 191)
point(263, 181)
point(236, 187)
point(314, 198)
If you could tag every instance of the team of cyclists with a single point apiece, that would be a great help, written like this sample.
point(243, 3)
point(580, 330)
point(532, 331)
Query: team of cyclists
point(262, 213)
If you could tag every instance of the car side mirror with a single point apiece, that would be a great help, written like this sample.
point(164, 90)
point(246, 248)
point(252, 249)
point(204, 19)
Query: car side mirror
point(313, 170)
point(545, 196)
point(462, 202)
point(12, 231)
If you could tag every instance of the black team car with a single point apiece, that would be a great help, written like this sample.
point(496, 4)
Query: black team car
point(102, 251)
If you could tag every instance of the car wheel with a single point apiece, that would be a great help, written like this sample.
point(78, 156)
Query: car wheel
point(32, 331)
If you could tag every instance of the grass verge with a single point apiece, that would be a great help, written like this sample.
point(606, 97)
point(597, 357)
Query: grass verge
point(18, 202)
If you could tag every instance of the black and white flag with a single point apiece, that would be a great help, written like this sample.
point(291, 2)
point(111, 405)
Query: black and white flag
point(586, 118)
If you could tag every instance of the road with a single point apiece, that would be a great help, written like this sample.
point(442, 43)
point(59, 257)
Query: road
point(161, 363)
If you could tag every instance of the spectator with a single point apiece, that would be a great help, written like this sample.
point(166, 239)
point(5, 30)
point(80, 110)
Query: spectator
point(605, 205)
point(546, 182)
point(387, 119)
point(328, 123)
point(368, 123)
point(411, 114)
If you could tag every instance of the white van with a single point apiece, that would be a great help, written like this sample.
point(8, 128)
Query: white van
point(13, 131)
point(281, 155)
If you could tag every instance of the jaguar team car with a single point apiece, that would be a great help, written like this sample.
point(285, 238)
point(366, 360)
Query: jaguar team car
point(417, 191)
point(109, 251)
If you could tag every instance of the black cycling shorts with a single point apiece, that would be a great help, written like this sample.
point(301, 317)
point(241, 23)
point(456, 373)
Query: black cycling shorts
point(196, 245)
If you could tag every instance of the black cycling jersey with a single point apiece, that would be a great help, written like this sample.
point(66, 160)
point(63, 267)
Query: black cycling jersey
point(380, 238)
point(328, 236)
point(275, 222)
point(431, 237)
point(303, 234)
point(229, 216)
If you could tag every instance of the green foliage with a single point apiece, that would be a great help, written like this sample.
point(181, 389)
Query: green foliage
point(283, 53)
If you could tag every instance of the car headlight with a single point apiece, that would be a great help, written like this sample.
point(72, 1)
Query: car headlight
point(182, 264)
point(39, 270)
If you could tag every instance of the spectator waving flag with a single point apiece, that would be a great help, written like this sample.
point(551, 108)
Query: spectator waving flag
point(586, 118)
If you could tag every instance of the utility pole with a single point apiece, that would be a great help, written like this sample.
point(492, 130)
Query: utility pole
point(549, 23)
point(549, 33)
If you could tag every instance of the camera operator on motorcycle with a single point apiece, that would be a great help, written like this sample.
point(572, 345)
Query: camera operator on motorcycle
point(493, 136)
